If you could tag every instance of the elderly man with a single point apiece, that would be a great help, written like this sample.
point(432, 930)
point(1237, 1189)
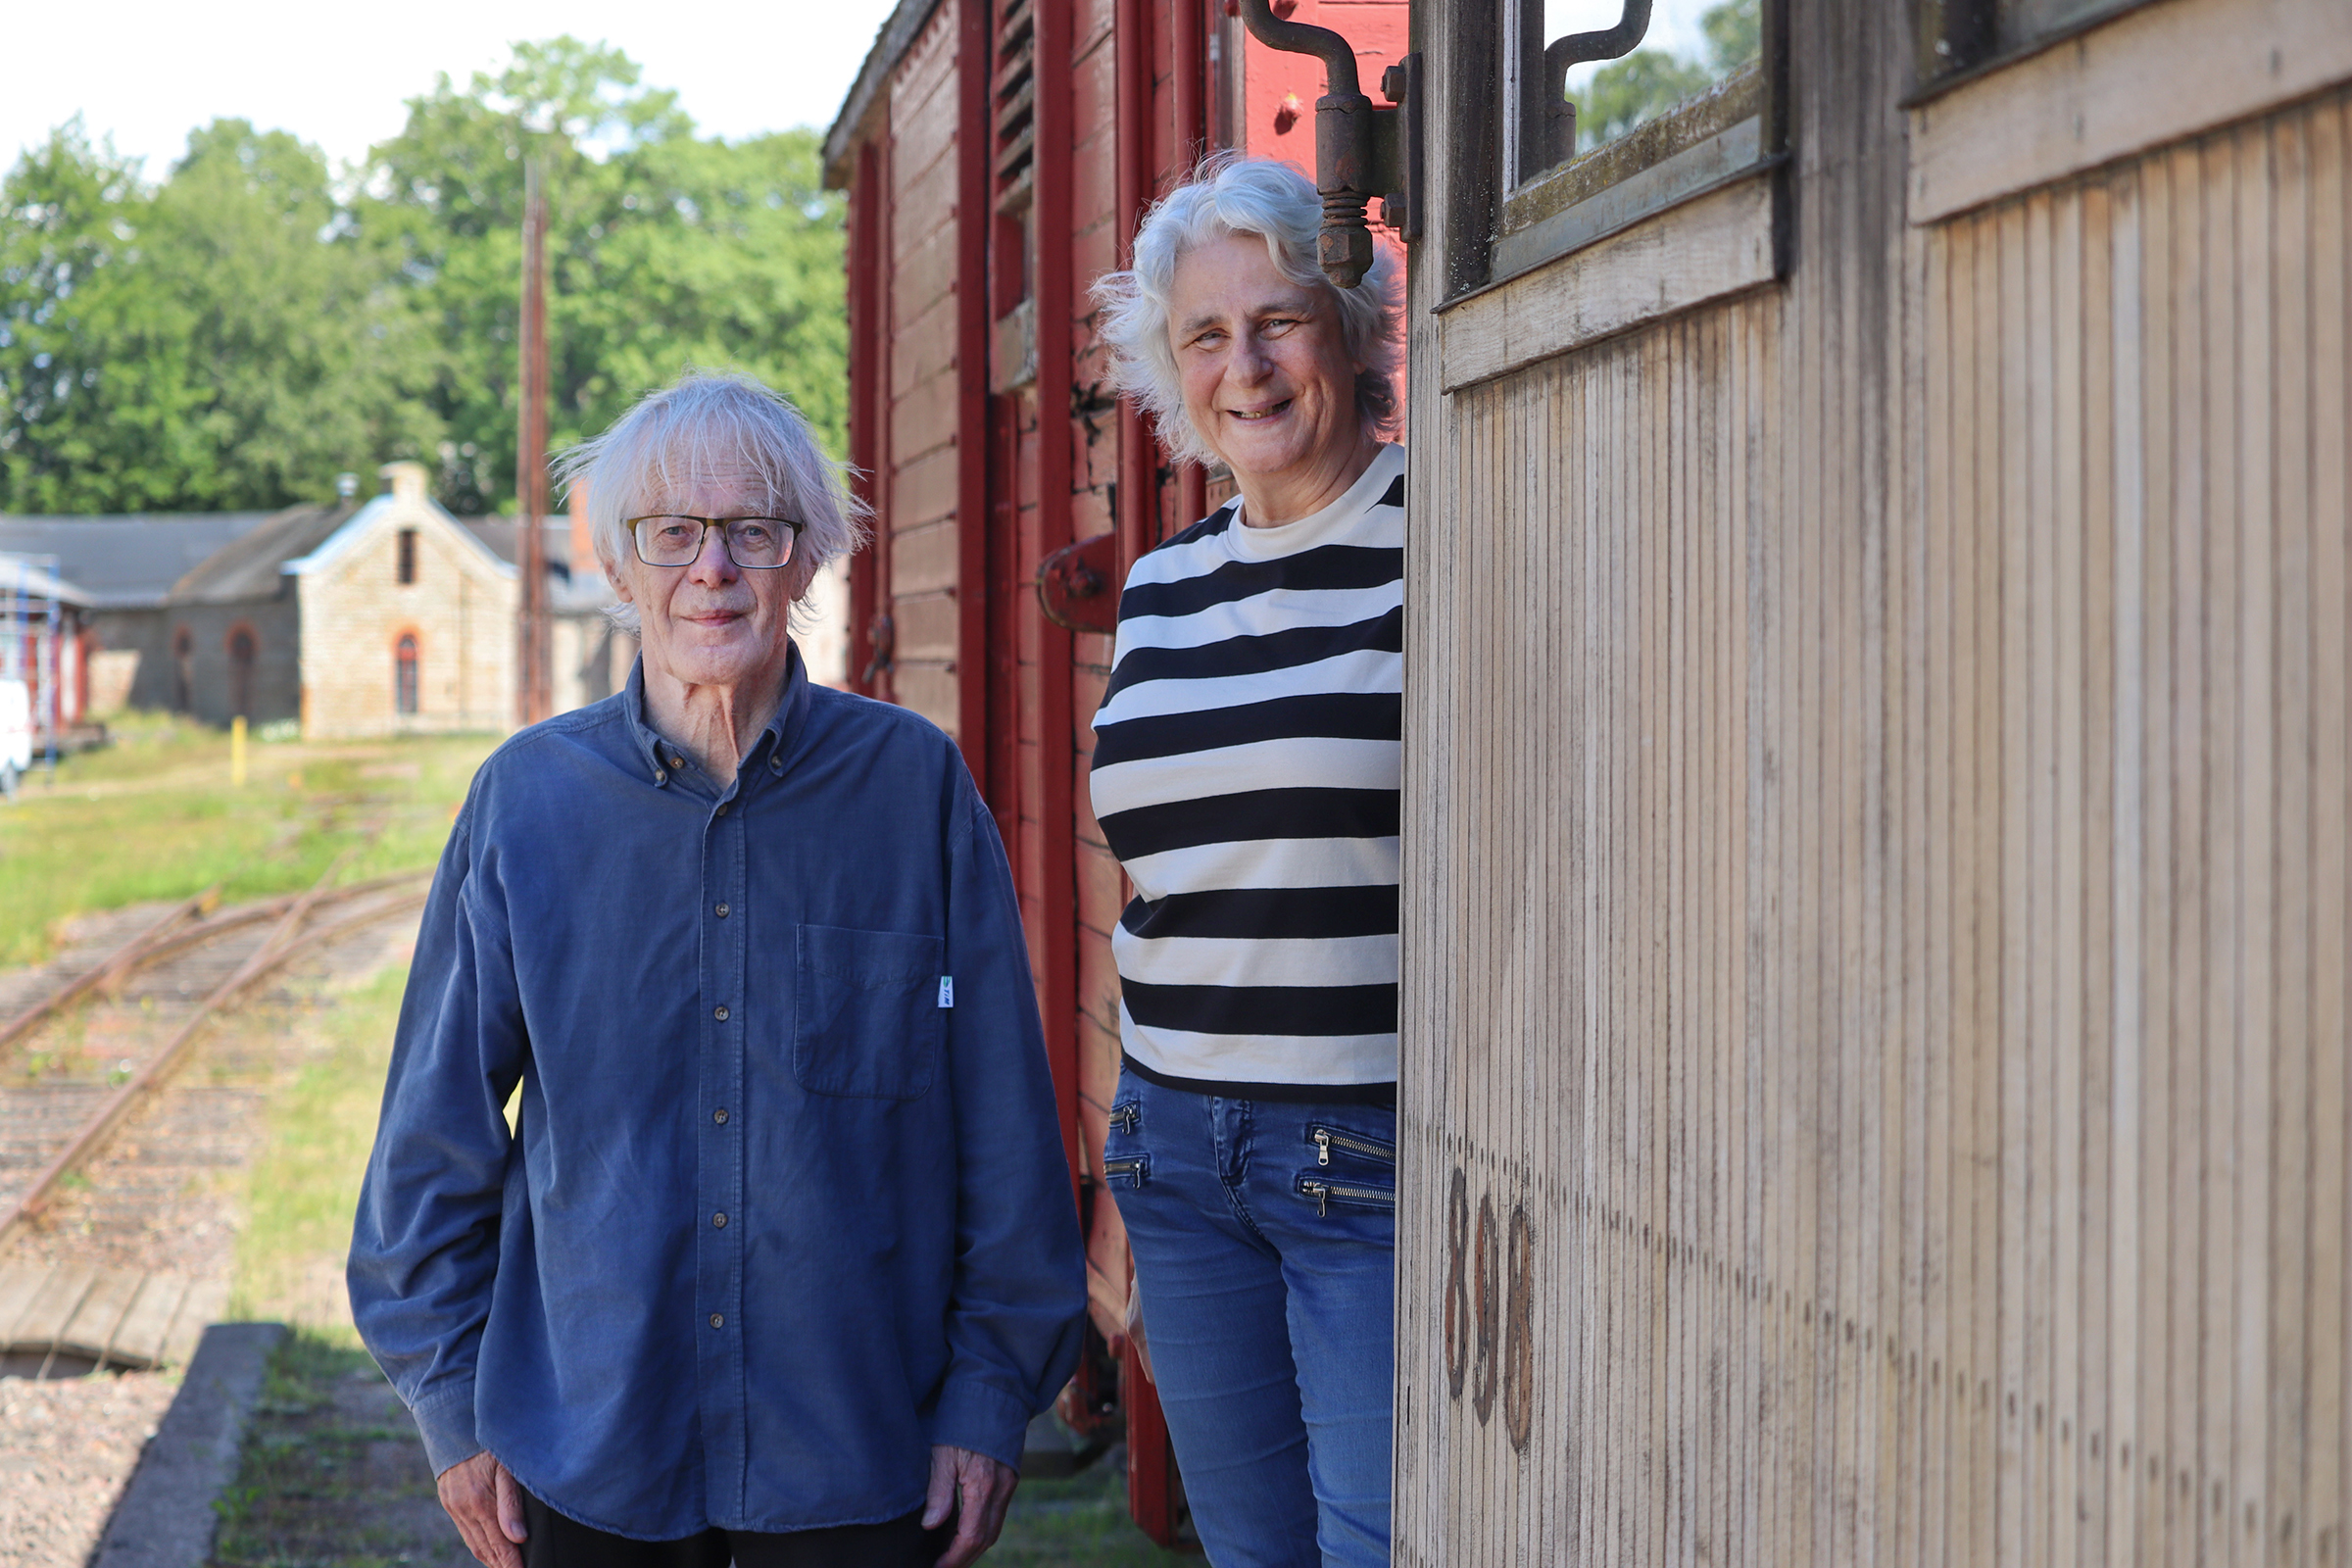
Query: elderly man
point(779, 1258)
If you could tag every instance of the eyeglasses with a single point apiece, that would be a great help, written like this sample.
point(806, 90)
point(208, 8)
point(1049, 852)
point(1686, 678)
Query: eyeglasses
point(755, 544)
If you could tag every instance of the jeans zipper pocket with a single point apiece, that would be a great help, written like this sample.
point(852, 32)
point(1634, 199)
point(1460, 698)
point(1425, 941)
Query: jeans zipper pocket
point(1125, 1118)
point(1325, 1193)
point(1130, 1168)
point(1327, 1139)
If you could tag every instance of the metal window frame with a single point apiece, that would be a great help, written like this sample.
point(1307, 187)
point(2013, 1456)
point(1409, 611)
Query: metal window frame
point(1740, 130)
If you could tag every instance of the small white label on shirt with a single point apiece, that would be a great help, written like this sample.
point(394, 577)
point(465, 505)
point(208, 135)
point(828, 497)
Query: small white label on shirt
point(947, 991)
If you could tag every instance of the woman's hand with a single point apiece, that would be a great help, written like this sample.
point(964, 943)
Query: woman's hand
point(487, 1506)
point(1135, 1330)
point(976, 1490)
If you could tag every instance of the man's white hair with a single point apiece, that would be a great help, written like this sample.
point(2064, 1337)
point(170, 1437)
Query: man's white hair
point(1229, 194)
point(713, 426)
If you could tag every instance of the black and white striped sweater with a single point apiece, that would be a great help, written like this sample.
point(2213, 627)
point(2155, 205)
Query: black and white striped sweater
point(1245, 772)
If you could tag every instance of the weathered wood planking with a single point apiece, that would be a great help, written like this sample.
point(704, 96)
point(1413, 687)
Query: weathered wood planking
point(116, 1318)
point(1877, 887)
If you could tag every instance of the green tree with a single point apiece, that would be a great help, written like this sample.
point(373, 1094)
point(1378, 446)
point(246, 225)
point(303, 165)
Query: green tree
point(237, 334)
point(665, 251)
point(207, 344)
point(99, 402)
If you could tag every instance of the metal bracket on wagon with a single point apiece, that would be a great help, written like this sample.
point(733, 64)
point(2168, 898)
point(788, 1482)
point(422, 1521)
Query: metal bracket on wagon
point(1077, 585)
point(1360, 151)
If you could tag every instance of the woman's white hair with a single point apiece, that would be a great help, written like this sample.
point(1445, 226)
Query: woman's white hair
point(713, 426)
point(1230, 194)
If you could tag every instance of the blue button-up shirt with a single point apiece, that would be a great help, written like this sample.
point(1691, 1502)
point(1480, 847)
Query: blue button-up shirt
point(786, 1204)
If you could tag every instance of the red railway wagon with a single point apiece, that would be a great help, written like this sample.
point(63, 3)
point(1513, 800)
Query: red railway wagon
point(997, 155)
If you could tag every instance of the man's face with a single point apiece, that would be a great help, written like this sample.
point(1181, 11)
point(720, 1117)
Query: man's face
point(1267, 380)
point(711, 623)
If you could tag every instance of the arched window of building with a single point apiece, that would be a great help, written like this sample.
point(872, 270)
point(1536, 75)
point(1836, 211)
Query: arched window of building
point(241, 648)
point(404, 673)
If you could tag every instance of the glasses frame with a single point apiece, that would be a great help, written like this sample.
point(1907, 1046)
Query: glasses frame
point(725, 543)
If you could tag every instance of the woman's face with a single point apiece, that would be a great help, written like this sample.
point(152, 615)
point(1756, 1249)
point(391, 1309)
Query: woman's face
point(1267, 379)
point(711, 623)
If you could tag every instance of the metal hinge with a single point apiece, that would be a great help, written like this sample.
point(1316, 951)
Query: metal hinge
point(1360, 151)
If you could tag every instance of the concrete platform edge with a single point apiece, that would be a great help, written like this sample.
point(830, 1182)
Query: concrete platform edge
point(166, 1518)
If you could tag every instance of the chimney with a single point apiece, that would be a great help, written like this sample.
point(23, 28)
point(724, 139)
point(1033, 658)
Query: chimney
point(407, 480)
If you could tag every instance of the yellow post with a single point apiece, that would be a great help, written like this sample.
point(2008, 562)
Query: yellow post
point(236, 752)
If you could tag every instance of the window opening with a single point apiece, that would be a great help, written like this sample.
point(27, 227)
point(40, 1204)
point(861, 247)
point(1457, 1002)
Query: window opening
point(184, 670)
point(1640, 60)
point(240, 672)
point(403, 674)
point(408, 556)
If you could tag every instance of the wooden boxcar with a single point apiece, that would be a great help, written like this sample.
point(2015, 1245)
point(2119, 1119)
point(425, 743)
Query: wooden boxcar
point(997, 155)
point(1876, 878)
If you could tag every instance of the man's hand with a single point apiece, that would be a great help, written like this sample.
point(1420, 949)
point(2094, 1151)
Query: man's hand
point(976, 1490)
point(487, 1506)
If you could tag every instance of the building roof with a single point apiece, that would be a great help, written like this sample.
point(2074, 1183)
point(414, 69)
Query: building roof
point(351, 526)
point(891, 43)
point(125, 559)
point(250, 565)
point(569, 591)
point(21, 577)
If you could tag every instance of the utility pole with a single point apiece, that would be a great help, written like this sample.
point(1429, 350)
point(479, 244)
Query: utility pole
point(534, 696)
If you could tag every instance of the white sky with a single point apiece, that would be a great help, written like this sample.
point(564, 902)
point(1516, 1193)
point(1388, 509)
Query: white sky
point(338, 75)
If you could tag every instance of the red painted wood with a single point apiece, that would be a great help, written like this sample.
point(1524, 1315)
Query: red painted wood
point(869, 373)
point(1057, 303)
point(973, 498)
point(1155, 1495)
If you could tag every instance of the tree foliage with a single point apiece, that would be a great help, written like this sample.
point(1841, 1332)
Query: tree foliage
point(240, 332)
point(1647, 82)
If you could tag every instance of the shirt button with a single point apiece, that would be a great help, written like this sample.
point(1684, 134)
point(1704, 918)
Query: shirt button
point(722, 809)
point(721, 1013)
point(719, 1320)
point(776, 764)
point(720, 1115)
point(722, 911)
point(660, 777)
point(677, 761)
point(718, 1222)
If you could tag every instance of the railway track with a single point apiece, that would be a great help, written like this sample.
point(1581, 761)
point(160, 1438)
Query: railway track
point(97, 1055)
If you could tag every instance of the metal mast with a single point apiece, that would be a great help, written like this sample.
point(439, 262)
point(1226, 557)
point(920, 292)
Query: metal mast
point(533, 687)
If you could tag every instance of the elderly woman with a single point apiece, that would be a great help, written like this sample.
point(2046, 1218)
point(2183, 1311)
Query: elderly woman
point(1245, 773)
point(780, 1259)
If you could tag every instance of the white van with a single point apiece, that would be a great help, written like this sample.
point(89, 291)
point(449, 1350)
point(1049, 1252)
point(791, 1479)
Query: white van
point(16, 734)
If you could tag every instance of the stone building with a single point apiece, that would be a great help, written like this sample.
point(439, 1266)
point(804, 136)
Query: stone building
point(406, 620)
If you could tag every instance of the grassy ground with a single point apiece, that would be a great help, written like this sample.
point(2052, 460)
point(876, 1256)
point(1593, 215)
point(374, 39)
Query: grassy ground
point(306, 1186)
point(333, 1477)
point(154, 816)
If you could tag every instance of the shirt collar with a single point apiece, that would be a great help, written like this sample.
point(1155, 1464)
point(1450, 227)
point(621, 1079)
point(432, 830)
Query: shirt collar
point(767, 752)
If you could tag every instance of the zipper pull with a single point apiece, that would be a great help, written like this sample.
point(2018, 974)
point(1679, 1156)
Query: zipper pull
point(1124, 1119)
point(1322, 1192)
point(1322, 1146)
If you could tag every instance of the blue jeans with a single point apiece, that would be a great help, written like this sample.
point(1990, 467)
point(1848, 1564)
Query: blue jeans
point(1265, 1236)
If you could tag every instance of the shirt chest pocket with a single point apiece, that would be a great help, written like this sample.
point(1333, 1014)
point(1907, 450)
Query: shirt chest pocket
point(867, 1018)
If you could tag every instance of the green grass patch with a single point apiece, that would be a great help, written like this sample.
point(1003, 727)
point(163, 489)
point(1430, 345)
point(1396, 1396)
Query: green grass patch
point(154, 816)
point(331, 1472)
point(1079, 1522)
point(305, 1185)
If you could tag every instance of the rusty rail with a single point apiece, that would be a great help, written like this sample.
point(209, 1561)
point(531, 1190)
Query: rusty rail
point(280, 945)
point(139, 949)
point(161, 941)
